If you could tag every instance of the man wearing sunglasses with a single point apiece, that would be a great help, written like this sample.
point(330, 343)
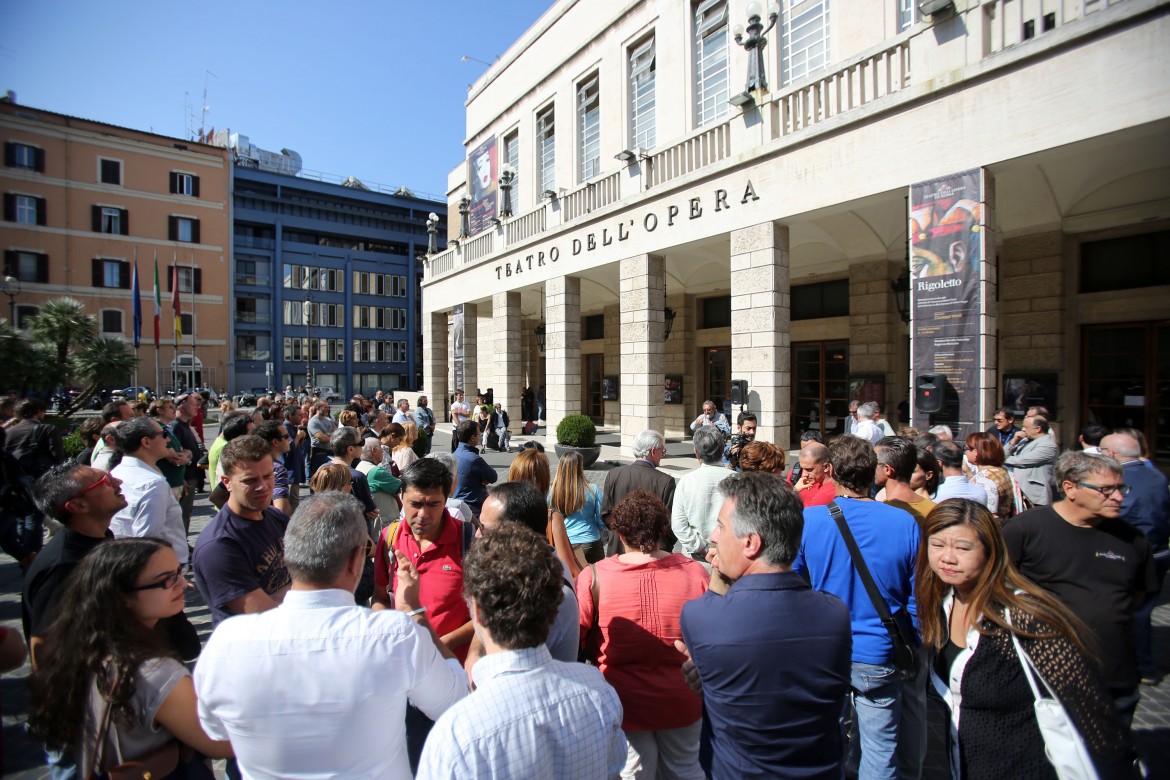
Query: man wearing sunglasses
point(1096, 563)
point(151, 509)
point(353, 668)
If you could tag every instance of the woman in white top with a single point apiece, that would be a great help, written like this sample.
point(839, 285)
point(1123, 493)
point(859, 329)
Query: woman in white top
point(103, 657)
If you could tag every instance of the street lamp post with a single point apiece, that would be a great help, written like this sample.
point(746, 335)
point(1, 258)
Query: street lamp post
point(11, 288)
point(755, 42)
point(308, 343)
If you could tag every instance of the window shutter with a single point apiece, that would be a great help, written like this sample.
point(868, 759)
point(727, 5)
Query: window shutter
point(195, 186)
point(170, 278)
point(125, 222)
point(43, 268)
point(173, 228)
point(42, 211)
point(198, 280)
point(40, 160)
point(174, 182)
point(9, 207)
point(194, 231)
point(96, 218)
point(97, 272)
point(124, 275)
point(9, 263)
point(9, 154)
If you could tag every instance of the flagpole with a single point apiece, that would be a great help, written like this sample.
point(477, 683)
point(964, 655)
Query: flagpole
point(157, 384)
point(137, 317)
point(193, 320)
point(178, 323)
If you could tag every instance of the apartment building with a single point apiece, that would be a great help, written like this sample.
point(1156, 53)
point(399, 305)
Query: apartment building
point(652, 211)
point(84, 202)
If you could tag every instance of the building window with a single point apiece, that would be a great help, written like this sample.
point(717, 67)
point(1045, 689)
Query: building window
point(804, 38)
point(711, 90)
point(253, 310)
point(907, 14)
point(821, 299)
point(546, 157)
point(589, 128)
point(112, 321)
point(183, 229)
point(307, 278)
point(109, 171)
point(593, 327)
point(715, 312)
point(253, 346)
point(642, 70)
point(107, 219)
point(27, 266)
point(512, 162)
point(114, 274)
point(1125, 263)
point(190, 279)
point(24, 209)
point(187, 324)
point(184, 184)
point(252, 270)
point(24, 313)
point(23, 156)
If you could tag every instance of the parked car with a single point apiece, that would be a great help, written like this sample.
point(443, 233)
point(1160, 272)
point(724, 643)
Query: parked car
point(329, 394)
point(132, 393)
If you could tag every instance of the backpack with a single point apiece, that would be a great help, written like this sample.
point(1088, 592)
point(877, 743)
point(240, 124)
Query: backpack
point(391, 531)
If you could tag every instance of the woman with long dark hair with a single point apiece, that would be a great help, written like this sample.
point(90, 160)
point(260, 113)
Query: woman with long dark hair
point(103, 657)
point(531, 465)
point(978, 613)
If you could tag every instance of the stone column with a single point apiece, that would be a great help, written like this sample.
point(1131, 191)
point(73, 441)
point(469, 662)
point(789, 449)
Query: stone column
point(506, 354)
point(470, 352)
point(642, 295)
point(436, 364)
point(761, 308)
point(562, 352)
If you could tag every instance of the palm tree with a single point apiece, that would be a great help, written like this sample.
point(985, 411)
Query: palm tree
point(103, 362)
point(28, 367)
point(63, 323)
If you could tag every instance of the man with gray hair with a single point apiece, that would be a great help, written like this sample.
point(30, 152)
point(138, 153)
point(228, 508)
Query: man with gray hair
point(697, 498)
point(1031, 460)
point(642, 474)
point(332, 721)
point(943, 432)
point(866, 428)
point(1146, 508)
point(1099, 565)
point(384, 486)
point(772, 653)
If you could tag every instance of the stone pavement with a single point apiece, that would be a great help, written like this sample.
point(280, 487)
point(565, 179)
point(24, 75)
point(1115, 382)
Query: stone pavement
point(23, 758)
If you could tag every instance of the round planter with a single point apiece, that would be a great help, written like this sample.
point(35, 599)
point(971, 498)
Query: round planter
point(589, 455)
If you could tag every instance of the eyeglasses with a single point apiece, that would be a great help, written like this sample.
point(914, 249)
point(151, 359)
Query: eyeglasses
point(104, 480)
point(166, 583)
point(368, 548)
point(1107, 490)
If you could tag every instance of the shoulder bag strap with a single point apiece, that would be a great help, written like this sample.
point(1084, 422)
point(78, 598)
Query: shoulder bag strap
point(1025, 662)
point(859, 563)
point(99, 746)
point(595, 594)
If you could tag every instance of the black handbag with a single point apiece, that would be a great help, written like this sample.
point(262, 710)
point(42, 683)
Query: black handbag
point(898, 626)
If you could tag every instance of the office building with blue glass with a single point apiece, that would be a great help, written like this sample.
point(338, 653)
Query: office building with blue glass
point(325, 282)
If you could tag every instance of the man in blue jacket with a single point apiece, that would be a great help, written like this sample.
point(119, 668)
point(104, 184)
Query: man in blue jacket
point(474, 472)
point(888, 539)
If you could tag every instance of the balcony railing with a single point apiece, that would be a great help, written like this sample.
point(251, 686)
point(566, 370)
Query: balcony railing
point(443, 262)
point(479, 247)
point(591, 196)
point(525, 226)
point(698, 151)
point(1011, 22)
point(857, 83)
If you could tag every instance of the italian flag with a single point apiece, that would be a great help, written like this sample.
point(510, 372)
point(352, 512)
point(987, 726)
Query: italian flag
point(157, 302)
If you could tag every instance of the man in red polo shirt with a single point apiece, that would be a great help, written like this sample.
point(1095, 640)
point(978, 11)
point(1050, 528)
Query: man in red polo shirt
point(434, 540)
point(814, 486)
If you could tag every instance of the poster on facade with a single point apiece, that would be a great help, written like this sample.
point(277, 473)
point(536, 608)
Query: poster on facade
point(946, 236)
point(482, 167)
point(457, 345)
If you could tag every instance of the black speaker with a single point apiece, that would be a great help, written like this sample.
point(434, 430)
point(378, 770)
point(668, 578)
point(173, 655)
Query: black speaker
point(929, 393)
point(739, 391)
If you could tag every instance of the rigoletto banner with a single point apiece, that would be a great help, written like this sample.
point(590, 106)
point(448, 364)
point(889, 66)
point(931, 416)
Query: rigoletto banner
point(482, 174)
point(947, 253)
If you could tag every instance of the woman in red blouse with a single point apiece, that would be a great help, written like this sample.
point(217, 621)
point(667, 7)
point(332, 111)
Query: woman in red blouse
point(641, 595)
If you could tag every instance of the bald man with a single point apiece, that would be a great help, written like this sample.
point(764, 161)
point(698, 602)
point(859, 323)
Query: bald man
point(1146, 508)
point(815, 485)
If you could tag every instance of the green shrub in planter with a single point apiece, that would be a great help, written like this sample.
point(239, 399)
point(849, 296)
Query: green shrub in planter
point(576, 430)
point(72, 444)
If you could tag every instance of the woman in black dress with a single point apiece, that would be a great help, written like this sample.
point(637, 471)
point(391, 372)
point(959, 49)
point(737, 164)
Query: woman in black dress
point(971, 599)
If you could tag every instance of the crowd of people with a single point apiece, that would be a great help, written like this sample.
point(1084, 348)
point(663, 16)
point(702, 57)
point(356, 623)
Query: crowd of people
point(418, 616)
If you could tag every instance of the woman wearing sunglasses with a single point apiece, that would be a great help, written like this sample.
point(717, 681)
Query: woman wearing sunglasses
point(104, 668)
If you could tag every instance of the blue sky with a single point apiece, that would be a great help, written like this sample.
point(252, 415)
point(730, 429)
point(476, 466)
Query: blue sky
point(365, 88)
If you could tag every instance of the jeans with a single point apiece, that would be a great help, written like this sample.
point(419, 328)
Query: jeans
point(1143, 632)
point(317, 459)
point(187, 503)
point(877, 701)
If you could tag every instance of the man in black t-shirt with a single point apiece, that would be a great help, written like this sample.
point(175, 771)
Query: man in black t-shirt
point(1098, 565)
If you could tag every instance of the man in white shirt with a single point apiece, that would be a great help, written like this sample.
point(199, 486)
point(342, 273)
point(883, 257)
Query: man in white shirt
point(955, 483)
point(312, 688)
point(151, 508)
point(696, 496)
point(460, 412)
point(866, 428)
point(530, 715)
point(403, 414)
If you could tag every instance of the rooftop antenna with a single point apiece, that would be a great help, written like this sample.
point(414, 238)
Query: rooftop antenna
point(205, 108)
